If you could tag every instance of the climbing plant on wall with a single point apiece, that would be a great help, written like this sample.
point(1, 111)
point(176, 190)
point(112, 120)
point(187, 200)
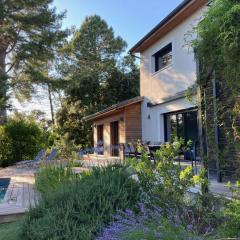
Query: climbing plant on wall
point(217, 49)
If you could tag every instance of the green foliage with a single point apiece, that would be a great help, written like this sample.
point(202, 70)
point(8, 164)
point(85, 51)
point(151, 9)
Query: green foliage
point(30, 33)
point(96, 75)
point(231, 215)
point(21, 140)
point(166, 185)
point(165, 179)
point(153, 230)
point(6, 147)
point(10, 231)
point(67, 148)
point(50, 177)
point(78, 209)
point(217, 48)
point(71, 125)
point(218, 42)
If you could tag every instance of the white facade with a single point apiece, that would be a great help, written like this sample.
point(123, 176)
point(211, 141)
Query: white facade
point(167, 82)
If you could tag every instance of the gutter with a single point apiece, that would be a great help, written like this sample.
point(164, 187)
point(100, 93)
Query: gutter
point(165, 20)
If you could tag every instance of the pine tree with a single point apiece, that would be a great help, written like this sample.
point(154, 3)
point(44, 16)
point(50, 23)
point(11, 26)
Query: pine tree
point(30, 33)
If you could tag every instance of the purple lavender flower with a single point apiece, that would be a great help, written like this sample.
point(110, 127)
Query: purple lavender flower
point(147, 224)
point(126, 221)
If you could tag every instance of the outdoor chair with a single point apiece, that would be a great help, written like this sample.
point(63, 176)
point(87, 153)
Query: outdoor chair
point(52, 155)
point(41, 154)
point(80, 154)
point(129, 150)
point(126, 150)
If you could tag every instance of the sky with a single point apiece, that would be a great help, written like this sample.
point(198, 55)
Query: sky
point(130, 19)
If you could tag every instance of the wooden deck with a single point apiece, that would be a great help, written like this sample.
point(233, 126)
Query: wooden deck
point(20, 195)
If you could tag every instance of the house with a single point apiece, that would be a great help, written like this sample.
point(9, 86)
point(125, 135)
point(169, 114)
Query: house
point(168, 68)
point(120, 123)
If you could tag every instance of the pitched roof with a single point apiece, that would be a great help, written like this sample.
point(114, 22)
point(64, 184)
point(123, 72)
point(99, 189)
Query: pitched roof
point(179, 14)
point(113, 108)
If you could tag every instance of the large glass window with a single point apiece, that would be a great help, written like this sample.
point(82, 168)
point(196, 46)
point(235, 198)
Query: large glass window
point(182, 125)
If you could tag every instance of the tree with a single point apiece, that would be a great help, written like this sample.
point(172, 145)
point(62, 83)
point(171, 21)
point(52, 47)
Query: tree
point(30, 33)
point(96, 76)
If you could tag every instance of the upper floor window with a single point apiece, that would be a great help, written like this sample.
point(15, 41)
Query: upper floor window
point(163, 57)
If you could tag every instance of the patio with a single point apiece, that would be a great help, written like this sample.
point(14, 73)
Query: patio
point(20, 195)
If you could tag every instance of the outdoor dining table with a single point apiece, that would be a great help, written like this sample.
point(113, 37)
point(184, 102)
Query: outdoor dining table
point(153, 148)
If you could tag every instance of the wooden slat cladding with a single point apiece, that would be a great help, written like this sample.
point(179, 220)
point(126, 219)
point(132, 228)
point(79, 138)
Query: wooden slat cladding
point(133, 126)
point(129, 126)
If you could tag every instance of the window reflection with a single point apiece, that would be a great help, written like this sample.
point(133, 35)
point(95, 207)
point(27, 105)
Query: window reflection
point(182, 125)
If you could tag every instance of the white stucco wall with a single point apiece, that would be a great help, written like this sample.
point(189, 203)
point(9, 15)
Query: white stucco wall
point(181, 73)
point(153, 127)
point(167, 82)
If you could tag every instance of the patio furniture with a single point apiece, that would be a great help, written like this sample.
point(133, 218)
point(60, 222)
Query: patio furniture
point(80, 154)
point(52, 155)
point(41, 154)
point(128, 151)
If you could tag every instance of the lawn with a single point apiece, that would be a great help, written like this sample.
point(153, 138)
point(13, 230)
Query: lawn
point(10, 231)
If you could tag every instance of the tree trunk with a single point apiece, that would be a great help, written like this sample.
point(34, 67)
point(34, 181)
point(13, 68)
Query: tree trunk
point(3, 88)
point(51, 103)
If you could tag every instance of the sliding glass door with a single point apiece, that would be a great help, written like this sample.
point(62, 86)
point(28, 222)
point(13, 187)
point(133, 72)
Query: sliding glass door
point(182, 124)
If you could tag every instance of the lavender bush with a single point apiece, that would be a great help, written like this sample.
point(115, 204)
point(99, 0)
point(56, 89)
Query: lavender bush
point(146, 224)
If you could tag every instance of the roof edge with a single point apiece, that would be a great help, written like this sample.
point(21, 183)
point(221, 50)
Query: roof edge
point(178, 95)
point(114, 107)
point(172, 14)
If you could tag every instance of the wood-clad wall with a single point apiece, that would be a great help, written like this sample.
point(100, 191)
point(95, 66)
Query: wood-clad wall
point(133, 123)
point(130, 127)
point(106, 122)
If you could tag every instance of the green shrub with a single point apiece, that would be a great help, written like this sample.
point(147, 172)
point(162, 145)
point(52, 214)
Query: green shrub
point(50, 176)
point(231, 214)
point(165, 180)
point(67, 149)
point(5, 147)
point(20, 140)
point(78, 209)
point(166, 184)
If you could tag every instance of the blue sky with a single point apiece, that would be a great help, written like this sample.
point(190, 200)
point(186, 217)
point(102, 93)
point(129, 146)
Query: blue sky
point(130, 19)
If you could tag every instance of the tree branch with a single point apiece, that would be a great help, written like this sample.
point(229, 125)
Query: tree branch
point(15, 42)
point(12, 47)
point(11, 66)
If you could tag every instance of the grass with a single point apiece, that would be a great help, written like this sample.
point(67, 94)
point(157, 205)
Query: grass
point(10, 231)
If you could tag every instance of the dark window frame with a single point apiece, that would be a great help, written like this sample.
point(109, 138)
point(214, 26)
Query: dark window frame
point(164, 52)
point(166, 115)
